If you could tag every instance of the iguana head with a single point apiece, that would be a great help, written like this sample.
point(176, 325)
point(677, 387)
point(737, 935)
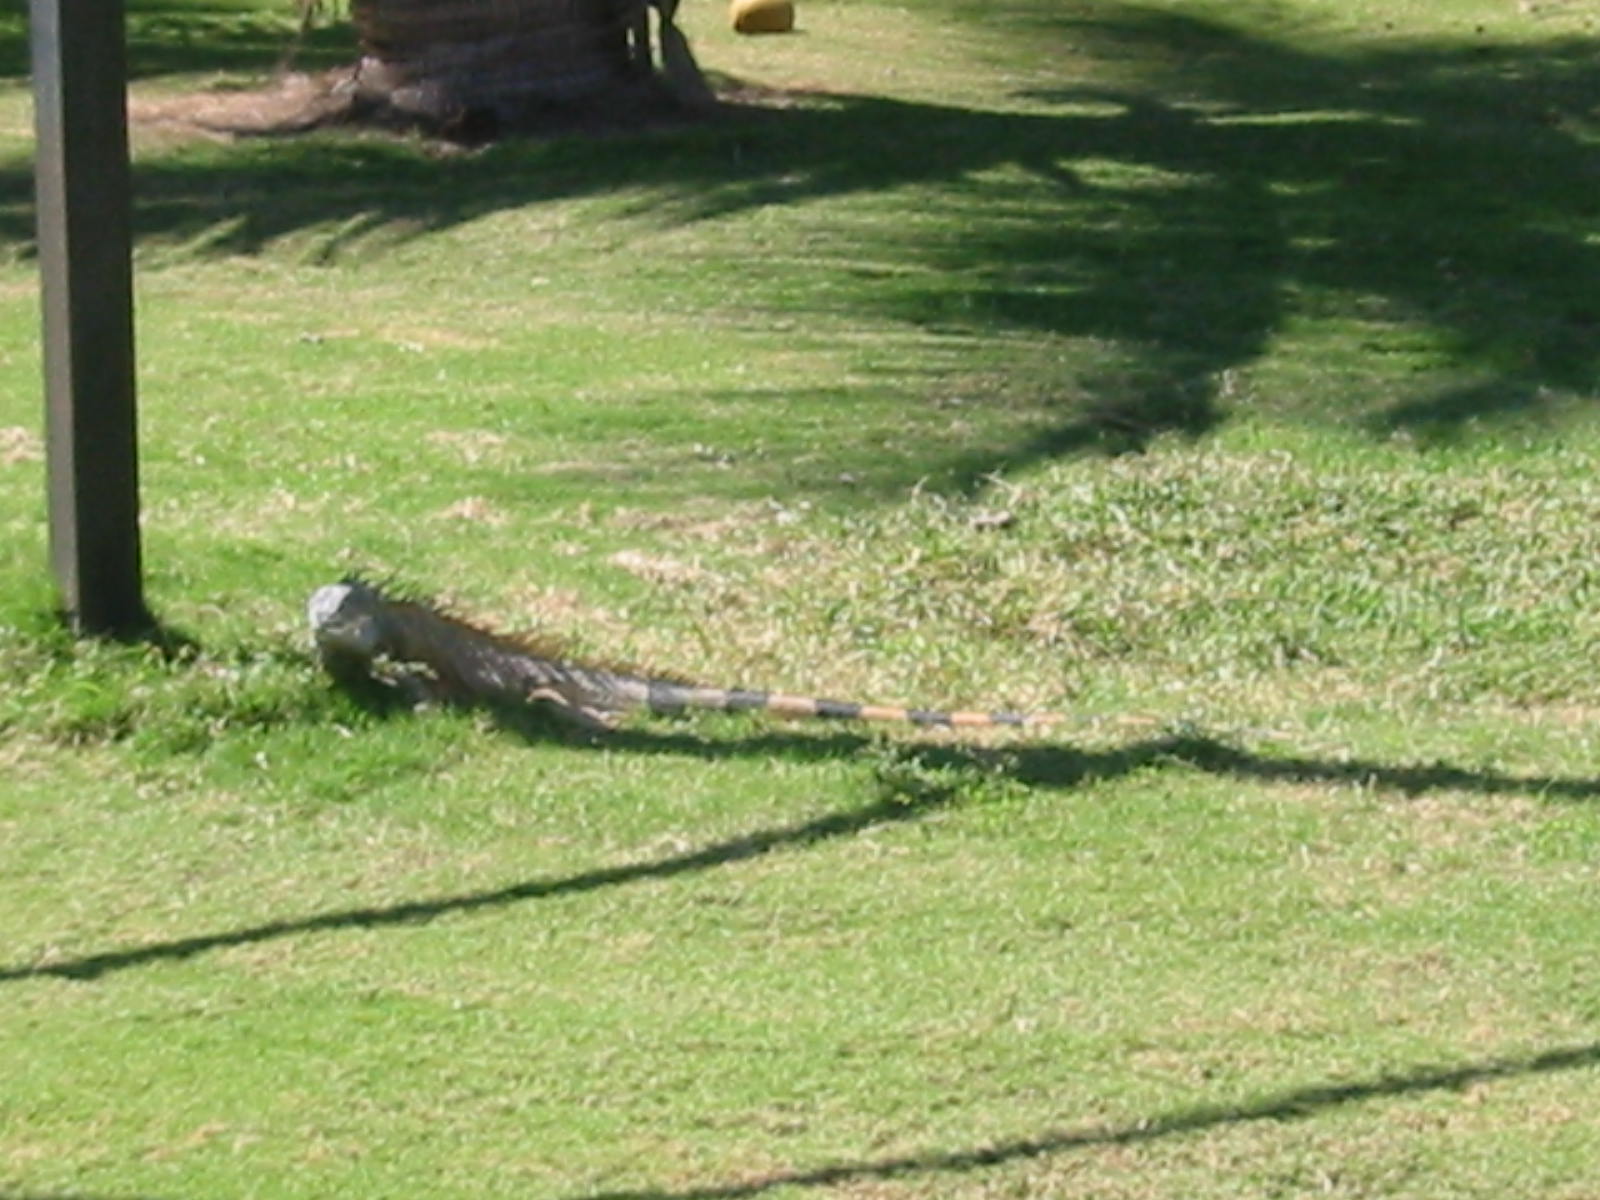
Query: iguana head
point(345, 619)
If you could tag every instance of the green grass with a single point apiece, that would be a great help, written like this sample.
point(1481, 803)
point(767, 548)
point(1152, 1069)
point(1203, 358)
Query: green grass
point(1222, 375)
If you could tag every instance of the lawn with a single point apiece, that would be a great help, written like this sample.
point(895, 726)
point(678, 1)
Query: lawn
point(1220, 375)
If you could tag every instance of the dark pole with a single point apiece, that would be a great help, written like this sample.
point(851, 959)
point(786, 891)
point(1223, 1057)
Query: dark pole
point(83, 187)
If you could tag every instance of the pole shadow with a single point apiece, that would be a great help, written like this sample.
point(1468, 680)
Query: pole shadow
point(1291, 1105)
point(1052, 767)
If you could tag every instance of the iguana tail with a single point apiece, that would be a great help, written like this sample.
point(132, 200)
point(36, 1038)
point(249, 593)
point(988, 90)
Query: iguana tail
point(664, 697)
point(356, 627)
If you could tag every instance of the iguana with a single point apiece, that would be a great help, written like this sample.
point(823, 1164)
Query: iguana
point(360, 631)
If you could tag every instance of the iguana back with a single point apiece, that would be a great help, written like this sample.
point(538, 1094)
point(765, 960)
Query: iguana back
point(357, 628)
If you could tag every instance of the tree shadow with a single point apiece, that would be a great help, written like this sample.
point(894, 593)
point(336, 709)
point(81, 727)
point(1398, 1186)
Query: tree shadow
point(189, 37)
point(1168, 230)
point(1290, 1105)
point(920, 779)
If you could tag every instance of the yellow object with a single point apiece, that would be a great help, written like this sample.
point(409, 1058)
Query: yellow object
point(762, 16)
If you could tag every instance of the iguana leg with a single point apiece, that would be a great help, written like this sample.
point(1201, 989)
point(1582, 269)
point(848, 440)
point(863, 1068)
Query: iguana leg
point(592, 720)
point(417, 686)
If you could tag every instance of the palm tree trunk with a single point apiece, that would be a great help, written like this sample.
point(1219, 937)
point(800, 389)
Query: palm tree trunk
point(440, 59)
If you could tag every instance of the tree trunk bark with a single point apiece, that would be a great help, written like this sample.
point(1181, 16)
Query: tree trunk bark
point(446, 59)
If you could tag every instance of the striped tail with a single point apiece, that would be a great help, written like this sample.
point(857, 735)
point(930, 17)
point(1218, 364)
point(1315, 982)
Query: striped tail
point(663, 697)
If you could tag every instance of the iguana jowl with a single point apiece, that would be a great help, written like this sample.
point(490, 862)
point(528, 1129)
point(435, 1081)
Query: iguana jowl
point(357, 628)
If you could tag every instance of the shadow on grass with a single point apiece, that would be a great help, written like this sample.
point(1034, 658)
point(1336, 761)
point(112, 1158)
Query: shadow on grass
point(173, 37)
point(1294, 1104)
point(937, 776)
point(1435, 201)
point(169, 642)
point(828, 826)
point(34, 608)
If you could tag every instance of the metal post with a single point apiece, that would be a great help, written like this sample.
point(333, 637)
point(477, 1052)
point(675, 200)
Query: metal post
point(82, 179)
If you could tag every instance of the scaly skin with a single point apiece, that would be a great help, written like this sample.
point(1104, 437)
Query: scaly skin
point(357, 627)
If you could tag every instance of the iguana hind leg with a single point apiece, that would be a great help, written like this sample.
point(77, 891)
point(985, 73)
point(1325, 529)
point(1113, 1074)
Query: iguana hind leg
point(591, 720)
